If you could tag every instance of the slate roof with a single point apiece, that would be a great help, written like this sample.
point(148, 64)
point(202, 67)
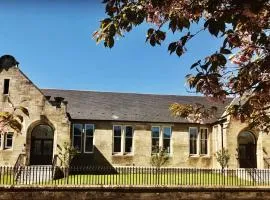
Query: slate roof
point(112, 106)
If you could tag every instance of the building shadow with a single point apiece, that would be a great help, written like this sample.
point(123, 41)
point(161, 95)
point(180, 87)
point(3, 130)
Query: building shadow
point(91, 163)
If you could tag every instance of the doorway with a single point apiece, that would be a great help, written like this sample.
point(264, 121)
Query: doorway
point(41, 145)
point(247, 150)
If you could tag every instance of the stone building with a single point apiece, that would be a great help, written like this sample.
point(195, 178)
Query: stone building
point(119, 128)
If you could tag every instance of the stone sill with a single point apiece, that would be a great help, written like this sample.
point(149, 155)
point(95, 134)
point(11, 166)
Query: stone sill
point(123, 155)
point(200, 156)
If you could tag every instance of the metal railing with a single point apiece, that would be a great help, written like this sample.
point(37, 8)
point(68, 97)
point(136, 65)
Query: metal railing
point(18, 166)
point(133, 176)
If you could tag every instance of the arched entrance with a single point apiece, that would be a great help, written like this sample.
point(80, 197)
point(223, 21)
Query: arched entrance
point(247, 150)
point(41, 145)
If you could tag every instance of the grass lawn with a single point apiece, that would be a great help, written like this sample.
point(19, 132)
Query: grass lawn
point(147, 179)
point(203, 179)
point(7, 179)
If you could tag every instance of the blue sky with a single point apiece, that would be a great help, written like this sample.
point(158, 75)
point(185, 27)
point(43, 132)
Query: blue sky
point(52, 41)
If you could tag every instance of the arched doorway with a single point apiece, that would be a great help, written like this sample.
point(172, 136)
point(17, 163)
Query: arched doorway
point(41, 145)
point(247, 150)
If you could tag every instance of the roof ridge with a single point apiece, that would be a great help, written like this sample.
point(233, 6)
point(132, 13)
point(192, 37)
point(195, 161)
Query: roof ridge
point(116, 92)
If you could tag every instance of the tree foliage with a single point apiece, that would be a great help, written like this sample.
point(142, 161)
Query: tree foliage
point(223, 157)
point(67, 153)
point(160, 157)
point(244, 27)
point(14, 118)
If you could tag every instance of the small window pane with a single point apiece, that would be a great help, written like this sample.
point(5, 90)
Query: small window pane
point(77, 136)
point(193, 132)
point(77, 143)
point(9, 140)
point(77, 130)
point(117, 139)
point(128, 145)
point(128, 131)
point(117, 131)
point(167, 132)
point(155, 131)
point(204, 147)
point(117, 144)
point(89, 130)
point(89, 144)
point(155, 145)
point(166, 145)
point(193, 147)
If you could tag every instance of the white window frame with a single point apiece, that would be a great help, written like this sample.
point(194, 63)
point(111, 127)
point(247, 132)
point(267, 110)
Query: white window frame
point(197, 143)
point(162, 132)
point(161, 137)
point(81, 150)
point(123, 140)
point(84, 132)
point(12, 140)
point(159, 144)
point(207, 141)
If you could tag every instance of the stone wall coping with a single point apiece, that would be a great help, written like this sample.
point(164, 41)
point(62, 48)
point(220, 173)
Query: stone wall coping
point(129, 188)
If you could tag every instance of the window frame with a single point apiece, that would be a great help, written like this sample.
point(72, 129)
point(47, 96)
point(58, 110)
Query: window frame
point(159, 144)
point(161, 138)
point(189, 140)
point(170, 139)
point(85, 136)
point(207, 141)
point(81, 149)
point(6, 138)
point(125, 137)
point(198, 142)
point(123, 140)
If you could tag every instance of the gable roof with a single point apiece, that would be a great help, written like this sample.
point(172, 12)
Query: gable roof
point(112, 106)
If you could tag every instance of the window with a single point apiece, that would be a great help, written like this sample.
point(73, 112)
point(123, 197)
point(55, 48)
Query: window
point(193, 134)
point(204, 141)
point(161, 137)
point(117, 134)
point(77, 136)
point(198, 143)
point(122, 139)
point(8, 140)
point(128, 138)
point(167, 139)
point(88, 140)
point(6, 86)
point(83, 137)
point(155, 139)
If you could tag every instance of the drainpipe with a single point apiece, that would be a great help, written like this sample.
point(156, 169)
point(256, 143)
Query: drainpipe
point(221, 126)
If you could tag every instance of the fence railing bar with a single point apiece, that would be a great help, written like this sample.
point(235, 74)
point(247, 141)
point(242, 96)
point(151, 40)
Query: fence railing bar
point(132, 175)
